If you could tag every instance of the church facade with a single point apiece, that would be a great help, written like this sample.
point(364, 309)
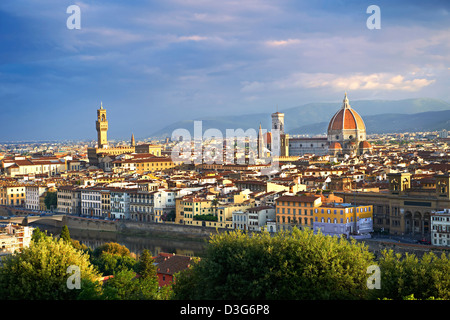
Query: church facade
point(346, 135)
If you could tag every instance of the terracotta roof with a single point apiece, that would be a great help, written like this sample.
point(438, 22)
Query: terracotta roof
point(365, 145)
point(298, 198)
point(346, 119)
point(167, 263)
point(335, 145)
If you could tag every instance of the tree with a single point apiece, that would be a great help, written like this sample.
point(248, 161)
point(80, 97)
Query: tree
point(145, 266)
point(110, 264)
point(406, 275)
point(141, 284)
point(39, 272)
point(111, 258)
point(126, 286)
point(51, 200)
point(113, 248)
point(38, 234)
point(295, 265)
point(65, 234)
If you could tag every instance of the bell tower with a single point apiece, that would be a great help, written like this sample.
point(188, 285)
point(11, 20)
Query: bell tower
point(278, 122)
point(102, 127)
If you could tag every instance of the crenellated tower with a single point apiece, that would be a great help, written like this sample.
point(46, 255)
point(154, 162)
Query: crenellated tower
point(102, 127)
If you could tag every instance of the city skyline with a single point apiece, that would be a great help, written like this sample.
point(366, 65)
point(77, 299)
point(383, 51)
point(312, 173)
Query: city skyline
point(155, 64)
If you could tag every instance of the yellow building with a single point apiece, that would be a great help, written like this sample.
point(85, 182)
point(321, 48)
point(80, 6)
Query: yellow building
point(296, 211)
point(12, 195)
point(343, 219)
point(189, 208)
point(143, 165)
point(327, 214)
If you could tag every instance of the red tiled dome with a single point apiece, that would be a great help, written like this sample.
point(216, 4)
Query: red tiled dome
point(335, 145)
point(346, 119)
point(365, 145)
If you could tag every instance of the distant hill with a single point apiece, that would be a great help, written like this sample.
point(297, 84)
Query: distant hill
point(380, 116)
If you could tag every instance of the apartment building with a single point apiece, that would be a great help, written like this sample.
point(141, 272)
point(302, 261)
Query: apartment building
point(69, 199)
point(440, 227)
point(12, 194)
point(120, 203)
point(253, 219)
point(343, 219)
point(164, 203)
point(91, 202)
point(33, 197)
point(14, 237)
point(142, 206)
point(296, 211)
point(106, 203)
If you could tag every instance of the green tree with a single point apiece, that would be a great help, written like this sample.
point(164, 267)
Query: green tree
point(40, 271)
point(145, 267)
point(110, 264)
point(406, 275)
point(113, 257)
point(51, 200)
point(112, 248)
point(126, 286)
point(295, 265)
point(38, 234)
point(65, 234)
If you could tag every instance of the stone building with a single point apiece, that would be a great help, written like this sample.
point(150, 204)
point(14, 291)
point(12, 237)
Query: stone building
point(101, 156)
point(404, 209)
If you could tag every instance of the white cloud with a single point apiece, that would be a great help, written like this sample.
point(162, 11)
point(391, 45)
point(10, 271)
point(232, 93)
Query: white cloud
point(278, 43)
point(192, 38)
point(354, 82)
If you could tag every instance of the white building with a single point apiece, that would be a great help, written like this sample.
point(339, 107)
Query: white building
point(163, 202)
point(440, 228)
point(240, 220)
point(253, 219)
point(91, 202)
point(14, 237)
point(32, 196)
point(120, 203)
point(258, 217)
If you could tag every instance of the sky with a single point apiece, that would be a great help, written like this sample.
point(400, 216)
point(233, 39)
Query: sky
point(152, 63)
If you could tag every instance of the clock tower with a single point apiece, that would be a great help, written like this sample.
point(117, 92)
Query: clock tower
point(102, 127)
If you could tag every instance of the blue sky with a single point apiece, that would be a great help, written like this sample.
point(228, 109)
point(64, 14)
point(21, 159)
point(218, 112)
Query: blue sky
point(152, 63)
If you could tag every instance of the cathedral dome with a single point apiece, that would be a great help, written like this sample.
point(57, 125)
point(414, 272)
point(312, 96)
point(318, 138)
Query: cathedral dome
point(365, 145)
point(335, 145)
point(346, 119)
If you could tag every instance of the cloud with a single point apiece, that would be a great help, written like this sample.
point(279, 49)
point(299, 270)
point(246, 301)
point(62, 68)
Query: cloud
point(354, 82)
point(192, 38)
point(278, 43)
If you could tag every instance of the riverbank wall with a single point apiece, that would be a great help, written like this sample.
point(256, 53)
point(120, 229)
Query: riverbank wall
point(140, 228)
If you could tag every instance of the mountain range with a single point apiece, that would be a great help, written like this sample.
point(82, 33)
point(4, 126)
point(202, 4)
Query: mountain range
point(380, 116)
